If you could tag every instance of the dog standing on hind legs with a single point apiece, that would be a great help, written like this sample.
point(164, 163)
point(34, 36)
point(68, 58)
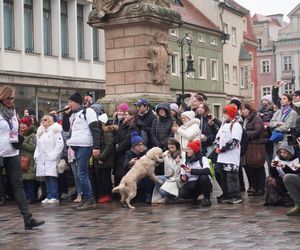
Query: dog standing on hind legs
point(145, 166)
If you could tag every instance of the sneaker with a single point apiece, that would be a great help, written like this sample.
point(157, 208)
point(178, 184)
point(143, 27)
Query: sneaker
point(206, 202)
point(88, 205)
point(53, 201)
point(78, 199)
point(294, 211)
point(234, 200)
point(105, 199)
point(45, 201)
point(222, 199)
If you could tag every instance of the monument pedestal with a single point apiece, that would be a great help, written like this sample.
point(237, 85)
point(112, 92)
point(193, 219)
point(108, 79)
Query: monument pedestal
point(137, 56)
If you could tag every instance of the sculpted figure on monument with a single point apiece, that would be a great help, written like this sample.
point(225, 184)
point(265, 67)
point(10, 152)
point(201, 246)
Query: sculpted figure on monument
point(159, 57)
point(105, 7)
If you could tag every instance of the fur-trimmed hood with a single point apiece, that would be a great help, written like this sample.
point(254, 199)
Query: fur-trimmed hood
point(110, 128)
point(54, 128)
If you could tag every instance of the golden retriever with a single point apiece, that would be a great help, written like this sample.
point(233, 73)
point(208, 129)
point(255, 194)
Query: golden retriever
point(143, 167)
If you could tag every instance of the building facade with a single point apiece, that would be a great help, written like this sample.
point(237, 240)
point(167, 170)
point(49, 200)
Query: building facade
point(266, 29)
point(47, 51)
point(288, 53)
point(230, 18)
point(206, 51)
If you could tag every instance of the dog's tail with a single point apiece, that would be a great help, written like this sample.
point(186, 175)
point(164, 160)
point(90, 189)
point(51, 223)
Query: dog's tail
point(119, 188)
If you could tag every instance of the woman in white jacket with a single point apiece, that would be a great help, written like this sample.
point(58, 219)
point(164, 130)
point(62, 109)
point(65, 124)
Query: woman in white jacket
point(48, 150)
point(189, 130)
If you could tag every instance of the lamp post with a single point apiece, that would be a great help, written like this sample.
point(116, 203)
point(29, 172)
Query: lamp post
point(186, 40)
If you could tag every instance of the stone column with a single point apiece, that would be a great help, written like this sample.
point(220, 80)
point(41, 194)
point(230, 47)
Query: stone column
point(134, 59)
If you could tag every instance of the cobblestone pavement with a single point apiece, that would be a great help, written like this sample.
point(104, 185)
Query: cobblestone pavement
point(172, 226)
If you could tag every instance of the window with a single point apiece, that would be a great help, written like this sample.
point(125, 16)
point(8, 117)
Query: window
point(188, 74)
point(80, 32)
point(202, 67)
point(226, 31)
point(201, 38)
point(95, 44)
point(265, 66)
point(8, 11)
point(190, 34)
point(234, 75)
point(173, 32)
point(265, 90)
point(233, 35)
point(245, 24)
point(64, 28)
point(242, 78)
point(226, 72)
point(28, 26)
point(214, 69)
point(175, 64)
point(47, 26)
point(213, 41)
point(216, 110)
point(289, 88)
point(287, 62)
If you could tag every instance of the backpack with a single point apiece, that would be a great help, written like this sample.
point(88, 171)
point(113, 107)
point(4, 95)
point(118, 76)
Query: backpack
point(244, 139)
point(211, 167)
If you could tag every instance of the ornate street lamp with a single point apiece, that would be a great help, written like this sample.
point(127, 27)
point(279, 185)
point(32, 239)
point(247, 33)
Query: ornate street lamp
point(186, 40)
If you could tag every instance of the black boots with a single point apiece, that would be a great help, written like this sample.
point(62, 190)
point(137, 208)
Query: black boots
point(30, 222)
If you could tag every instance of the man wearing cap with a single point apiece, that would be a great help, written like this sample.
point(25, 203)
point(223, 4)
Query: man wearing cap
point(88, 99)
point(227, 146)
point(144, 118)
point(84, 140)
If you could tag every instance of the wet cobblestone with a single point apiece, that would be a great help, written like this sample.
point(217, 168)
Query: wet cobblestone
point(172, 226)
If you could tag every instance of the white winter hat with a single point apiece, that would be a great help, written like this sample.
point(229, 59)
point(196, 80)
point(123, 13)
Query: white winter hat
point(174, 106)
point(267, 97)
point(188, 114)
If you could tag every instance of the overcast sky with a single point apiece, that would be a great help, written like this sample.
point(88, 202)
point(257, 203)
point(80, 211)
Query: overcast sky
point(268, 7)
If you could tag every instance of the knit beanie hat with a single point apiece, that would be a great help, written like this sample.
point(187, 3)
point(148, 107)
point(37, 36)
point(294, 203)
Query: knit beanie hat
point(174, 106)
point(297, 93)
point(26, 120)
point(123, 107)
point(188, 114)
point(236, 101)
point(76, 97)
point(135, 139)
point(267, 98)
point(195, 146)
point(230, 110)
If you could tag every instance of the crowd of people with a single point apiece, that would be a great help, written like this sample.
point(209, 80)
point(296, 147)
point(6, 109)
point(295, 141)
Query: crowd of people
point(36, 158)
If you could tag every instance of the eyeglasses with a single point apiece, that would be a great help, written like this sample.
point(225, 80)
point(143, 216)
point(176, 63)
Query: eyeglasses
point(11, 98)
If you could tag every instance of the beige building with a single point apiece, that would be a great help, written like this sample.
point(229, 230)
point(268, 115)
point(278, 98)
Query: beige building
point(47, 51)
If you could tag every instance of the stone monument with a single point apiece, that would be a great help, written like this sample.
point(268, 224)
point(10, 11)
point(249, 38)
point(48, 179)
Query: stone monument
point(136, 44)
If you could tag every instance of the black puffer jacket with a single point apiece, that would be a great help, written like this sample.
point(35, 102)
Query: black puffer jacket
point(161, 129)
point(144, 122)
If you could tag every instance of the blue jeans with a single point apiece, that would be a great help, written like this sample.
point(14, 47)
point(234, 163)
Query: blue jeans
point(29, 188)
point(76, 177)
point(82, 155)
point(52, 187)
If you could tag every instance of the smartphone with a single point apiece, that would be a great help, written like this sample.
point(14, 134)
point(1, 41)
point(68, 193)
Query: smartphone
point(184, 166)
point(275, 163)
point(209, 116)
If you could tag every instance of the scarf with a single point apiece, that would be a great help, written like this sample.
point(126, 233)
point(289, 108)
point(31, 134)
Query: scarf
point(297, 104)
point(285, 110)
point(7, 113)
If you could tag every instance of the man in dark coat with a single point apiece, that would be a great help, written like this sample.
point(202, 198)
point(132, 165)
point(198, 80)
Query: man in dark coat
point(144, 118)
